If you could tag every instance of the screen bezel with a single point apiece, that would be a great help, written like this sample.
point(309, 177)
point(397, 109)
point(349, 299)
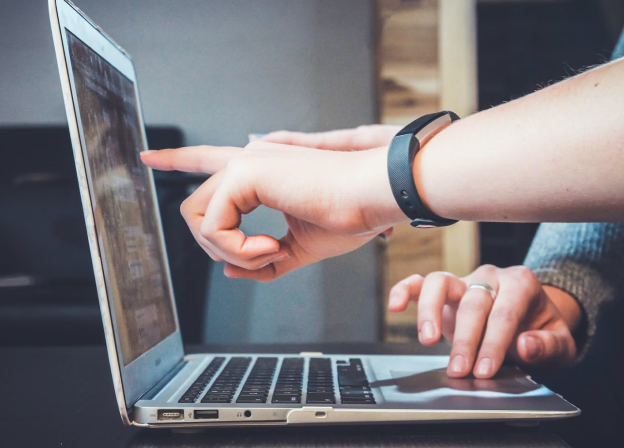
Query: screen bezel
point(133, 380)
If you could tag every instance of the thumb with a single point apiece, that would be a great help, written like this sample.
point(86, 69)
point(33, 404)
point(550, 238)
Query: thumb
point(548, 347)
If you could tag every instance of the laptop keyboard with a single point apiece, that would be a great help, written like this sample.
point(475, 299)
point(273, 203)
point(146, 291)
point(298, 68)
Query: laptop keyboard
point(353, 385)
point(320, 382)
point(258, 382)
point(289, 382)
point(226, 384)
point(199, 385)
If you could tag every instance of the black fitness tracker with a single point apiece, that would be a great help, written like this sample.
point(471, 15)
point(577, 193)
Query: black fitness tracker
point(401, 155)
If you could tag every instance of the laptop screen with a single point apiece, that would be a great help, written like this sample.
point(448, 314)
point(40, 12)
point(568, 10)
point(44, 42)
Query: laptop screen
point(124, 207)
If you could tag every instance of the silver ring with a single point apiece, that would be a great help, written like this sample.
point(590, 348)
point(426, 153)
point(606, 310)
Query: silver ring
point(485, 287)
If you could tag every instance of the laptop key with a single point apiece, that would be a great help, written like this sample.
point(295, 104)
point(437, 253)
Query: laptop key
point(286, 399)
point(353, 388)
point(355, 393)
point(320, 398)
point(227, 393)
point(358, 397)
point(352, 381)
point(320, 389)
point(255, 389)
point(254, 394)
point(246, 399)
point(349, 401)
point(216, 400)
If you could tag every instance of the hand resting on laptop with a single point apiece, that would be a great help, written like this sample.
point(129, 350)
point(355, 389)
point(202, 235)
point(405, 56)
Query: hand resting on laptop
point(526, 322)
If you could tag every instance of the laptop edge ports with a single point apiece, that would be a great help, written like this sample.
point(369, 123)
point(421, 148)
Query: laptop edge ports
point(204, 414)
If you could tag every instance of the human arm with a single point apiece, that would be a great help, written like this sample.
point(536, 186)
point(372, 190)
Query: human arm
point(555, 155)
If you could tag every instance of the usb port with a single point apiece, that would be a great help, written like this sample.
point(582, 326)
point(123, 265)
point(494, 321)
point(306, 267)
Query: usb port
point(206, 414)
point(170, 414)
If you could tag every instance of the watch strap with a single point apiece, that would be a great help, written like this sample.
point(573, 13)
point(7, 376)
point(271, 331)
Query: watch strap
point(403, 148)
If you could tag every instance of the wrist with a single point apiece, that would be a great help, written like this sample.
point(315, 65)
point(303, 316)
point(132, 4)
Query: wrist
point(567, 306)
point(377, 204)
point(423, 164)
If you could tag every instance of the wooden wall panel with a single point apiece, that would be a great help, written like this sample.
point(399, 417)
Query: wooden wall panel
point(427, 62)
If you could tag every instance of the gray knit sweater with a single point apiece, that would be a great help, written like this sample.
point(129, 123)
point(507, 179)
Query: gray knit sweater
point(586, 261)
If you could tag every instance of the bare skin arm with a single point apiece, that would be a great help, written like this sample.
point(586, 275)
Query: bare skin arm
point(554, 155)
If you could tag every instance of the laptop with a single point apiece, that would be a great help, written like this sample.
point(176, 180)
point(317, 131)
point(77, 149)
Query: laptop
point(156, 383)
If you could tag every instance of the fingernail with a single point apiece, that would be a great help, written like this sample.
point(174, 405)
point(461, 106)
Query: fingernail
point(533, 347)
point(282, 257)
point(427, 331)
point(485, 365)
point(149, 151)
point(254, 137)
point(458, 364)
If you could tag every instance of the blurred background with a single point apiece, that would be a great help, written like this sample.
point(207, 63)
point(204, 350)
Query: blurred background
point(214, 71)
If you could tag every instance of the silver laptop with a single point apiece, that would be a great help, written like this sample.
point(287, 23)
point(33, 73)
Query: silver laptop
point(156, 384)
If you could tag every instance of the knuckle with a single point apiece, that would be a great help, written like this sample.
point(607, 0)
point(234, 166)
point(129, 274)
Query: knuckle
point(525, 279)
point(207, 232)
point(237, 164)
point(523, 274)
point(411, 279)
point(185, 208)
point(438, 277)
point(487, 269)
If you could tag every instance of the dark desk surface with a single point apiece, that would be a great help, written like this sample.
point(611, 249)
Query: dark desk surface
point(63, 397)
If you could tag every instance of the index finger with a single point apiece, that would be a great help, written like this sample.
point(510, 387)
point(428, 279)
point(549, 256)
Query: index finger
point(512, 304)
point(191, 159)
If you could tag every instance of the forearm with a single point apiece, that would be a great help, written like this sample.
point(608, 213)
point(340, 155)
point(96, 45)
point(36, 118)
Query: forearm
point(554, 155)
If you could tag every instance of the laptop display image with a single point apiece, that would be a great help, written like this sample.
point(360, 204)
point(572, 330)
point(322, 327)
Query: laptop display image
point(156, 383)
point(141, 293)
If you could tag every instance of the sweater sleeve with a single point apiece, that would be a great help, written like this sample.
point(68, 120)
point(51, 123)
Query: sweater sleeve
point(586, 261)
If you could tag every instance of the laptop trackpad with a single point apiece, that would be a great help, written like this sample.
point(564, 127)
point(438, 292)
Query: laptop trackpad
point(422, 382)
point(505, 382)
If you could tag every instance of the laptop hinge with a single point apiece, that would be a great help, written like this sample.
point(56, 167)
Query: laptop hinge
point(160, 385)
